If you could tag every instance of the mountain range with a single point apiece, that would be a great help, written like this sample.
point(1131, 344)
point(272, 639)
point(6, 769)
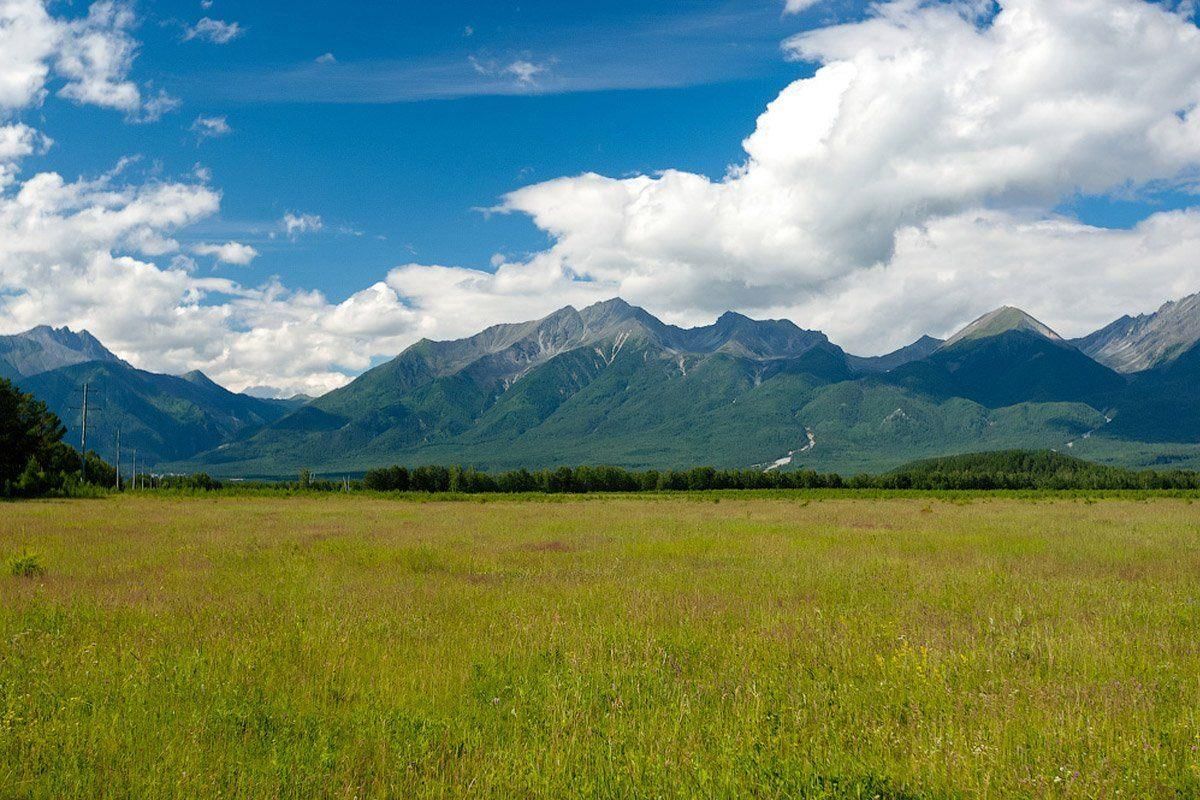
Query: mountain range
point(162, 417)
point(612, 384)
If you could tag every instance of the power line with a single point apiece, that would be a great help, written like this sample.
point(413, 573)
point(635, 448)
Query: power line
point(83, 442)
point(87, 409)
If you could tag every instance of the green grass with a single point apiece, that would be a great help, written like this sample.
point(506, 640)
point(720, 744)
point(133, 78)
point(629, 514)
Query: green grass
point(710, 646)
point(27, 565)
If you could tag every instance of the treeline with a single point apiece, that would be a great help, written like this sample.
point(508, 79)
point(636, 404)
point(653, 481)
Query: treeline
point(583, 480)
point(1009, 470)
point(1021, 470)
point(34, 460)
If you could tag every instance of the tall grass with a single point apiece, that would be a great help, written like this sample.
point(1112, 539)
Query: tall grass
point(605, 647)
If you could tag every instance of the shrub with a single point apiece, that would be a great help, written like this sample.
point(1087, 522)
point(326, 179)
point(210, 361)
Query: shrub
point(28, 565)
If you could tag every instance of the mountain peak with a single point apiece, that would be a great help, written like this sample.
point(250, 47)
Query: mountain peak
point(615, 316)
point(612, 304)
point(565, 311)
point(64, 336)
point(199, 378)
point(732, 317)
point(1002, 320)
point(1134, 344)
point(44, 348)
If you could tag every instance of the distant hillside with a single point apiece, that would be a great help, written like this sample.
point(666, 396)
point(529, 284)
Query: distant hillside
point(1162, 404)
point(1015, 469)
point(920, 349)
point(163, 417)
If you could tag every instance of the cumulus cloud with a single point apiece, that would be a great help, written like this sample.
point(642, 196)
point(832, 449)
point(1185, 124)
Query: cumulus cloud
point(96, 54)
point(228, 253)
point(102, 255)
point(920, 113)
point(29, 38)
point(326, 58)
point(19, 140)
point(1076, 277)
point(210, 127)
point(213, 30)
point(942, 275)
point(92, 54)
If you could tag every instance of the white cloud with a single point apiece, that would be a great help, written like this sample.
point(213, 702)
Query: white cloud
point(326, 58)
point(228, 253)
point(921, 113)
point(210, 127)
point(28, 39)
point(19, 140)
point(295, 225)
point(83, 254)
point(942, 275)
point(155, 106)
point(796, 6)
point(93, 54)
point(96, 56)
point(214, 30)
point(525, 72)
point(1074, 276)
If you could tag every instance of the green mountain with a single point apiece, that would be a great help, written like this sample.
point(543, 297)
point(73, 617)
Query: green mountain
point(612, 384)
point(163, 417)
point(516, 390)
point(1162, 404)
point(1011, 365)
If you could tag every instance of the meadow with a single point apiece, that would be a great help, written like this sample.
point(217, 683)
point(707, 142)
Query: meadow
point(712, 645)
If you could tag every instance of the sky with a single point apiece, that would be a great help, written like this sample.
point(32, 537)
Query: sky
point(286, 194)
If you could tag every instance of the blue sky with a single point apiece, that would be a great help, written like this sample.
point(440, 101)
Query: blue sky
point(400, 140)
point(878, 172)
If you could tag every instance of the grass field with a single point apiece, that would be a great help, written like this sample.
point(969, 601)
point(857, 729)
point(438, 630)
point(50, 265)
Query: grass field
point(601, 647)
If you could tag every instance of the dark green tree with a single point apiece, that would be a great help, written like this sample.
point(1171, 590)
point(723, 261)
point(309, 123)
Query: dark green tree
point(33, 458)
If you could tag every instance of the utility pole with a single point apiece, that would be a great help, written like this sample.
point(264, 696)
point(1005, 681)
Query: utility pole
point(133, 473)
point(83, 443)
point(118, 459)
